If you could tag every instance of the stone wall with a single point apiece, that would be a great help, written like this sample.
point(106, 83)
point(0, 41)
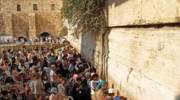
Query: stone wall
point(29, 22)
point(2, 25)
point(143, 60)
point(48, 22)
point(20, 25)
point(8, 20)
point(10, 6)
point(142, 12)
point(32, 25)
point(89, 45)
point(75, 42)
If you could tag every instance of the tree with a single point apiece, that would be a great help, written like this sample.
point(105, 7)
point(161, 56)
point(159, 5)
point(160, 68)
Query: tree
point(88, 15)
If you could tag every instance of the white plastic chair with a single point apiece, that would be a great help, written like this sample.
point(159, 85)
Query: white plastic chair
point(68, 98)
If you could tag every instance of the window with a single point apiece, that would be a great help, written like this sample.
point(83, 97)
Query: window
point(52, 6)
point(18, 7)
point(35, 7)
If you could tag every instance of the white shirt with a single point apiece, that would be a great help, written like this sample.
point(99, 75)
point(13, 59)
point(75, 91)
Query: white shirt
point(52, 73)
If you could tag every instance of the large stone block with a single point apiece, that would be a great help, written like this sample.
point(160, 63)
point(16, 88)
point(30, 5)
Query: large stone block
point(143, 12)
point(144, 63)
point(20, 25)
point(2, 24)
point(8, 23)
point(32, 25)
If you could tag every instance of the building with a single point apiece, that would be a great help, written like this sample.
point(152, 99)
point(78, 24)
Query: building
point(30, 18)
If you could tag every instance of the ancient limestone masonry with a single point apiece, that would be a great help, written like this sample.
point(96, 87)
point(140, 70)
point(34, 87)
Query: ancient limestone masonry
point(2, 28)
point(30, 18)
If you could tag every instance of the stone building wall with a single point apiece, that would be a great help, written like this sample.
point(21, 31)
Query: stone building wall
point(8, 20)
point(144, 60)
point(10, 6)
point(89, 45)
point(20, 25)
point(143, 63)
point(2, 25)
point(47, 17)
point(143, 12)
point(48, 22)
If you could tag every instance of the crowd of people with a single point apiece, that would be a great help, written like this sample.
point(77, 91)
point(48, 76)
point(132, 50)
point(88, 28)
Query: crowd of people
point(48, 73)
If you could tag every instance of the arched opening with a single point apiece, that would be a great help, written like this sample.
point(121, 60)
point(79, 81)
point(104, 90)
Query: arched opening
point(22, 39)
point(44, 36)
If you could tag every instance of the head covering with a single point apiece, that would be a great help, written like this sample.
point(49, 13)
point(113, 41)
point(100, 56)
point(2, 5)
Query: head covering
point(88, 75)
point(92, 74)
point(62, 49)
point(54, 90)
point(9, 80)
point(117, 98)
point(75, 76)
point(111, 90)
point(100, 84)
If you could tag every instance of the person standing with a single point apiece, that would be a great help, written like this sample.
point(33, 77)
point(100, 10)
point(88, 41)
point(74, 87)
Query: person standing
point(37, 87)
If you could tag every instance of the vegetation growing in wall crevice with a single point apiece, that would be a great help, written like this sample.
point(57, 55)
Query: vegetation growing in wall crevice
point(88, 15)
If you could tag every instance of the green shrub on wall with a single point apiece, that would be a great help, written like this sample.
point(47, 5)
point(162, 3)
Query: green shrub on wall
point(88, 15)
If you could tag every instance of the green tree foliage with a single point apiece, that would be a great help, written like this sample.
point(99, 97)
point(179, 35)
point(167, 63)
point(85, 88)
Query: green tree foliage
point(88, 15)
